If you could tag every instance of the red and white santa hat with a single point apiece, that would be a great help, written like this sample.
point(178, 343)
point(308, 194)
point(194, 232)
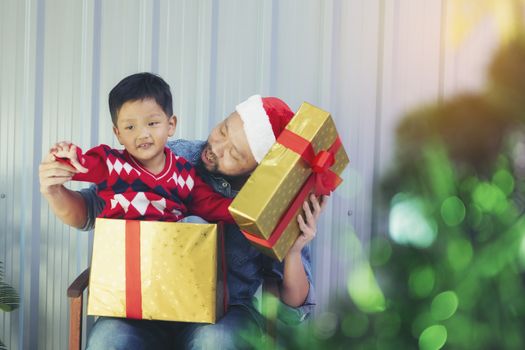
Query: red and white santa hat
point(264, 119)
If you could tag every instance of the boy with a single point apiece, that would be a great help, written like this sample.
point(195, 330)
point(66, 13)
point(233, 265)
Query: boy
point(145, 181)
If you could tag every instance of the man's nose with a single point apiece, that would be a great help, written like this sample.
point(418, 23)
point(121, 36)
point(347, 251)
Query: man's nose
point(218, 149)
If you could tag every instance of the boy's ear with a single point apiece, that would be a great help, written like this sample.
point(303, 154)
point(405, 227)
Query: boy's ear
point(172, 121)
point(117, 134)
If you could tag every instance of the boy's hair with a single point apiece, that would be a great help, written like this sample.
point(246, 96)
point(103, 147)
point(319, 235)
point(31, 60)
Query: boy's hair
point(140, 86)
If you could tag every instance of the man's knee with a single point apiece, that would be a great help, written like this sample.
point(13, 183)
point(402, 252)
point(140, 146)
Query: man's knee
point(218, 336)
point(118, 334)
point(213, 336)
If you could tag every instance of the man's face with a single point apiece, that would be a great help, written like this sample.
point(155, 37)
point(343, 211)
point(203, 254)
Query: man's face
point(227, 151)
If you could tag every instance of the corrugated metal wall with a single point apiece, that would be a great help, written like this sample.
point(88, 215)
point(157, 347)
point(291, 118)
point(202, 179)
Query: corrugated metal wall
point(365, 61)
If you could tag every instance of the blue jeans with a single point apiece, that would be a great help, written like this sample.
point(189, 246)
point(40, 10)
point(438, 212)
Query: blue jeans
point(229, 332)
point(193, 219)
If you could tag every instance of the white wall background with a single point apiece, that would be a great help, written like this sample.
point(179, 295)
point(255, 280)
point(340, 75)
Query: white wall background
point(365, 61)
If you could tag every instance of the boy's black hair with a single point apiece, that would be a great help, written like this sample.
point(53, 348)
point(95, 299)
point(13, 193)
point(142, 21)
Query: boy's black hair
point(140, 86)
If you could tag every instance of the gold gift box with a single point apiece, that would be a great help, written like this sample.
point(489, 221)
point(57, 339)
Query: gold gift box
point(268, 193)
point(178, 271)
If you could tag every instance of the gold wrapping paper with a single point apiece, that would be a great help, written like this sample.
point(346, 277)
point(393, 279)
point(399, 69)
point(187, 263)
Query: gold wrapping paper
point(279, 177)
point(178, 265)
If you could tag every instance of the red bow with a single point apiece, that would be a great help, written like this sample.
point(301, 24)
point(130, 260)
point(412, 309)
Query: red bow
point(325, 179)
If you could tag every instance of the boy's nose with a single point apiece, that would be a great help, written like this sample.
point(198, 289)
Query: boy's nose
point(143, 133)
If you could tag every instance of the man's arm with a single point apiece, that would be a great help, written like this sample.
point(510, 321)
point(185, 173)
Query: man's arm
point(69, 206)
point(295, 286)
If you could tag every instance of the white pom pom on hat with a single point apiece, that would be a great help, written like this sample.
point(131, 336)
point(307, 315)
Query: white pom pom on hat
point(264, 119)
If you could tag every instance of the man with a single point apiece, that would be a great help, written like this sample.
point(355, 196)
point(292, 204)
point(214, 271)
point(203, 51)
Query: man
point(233, 150)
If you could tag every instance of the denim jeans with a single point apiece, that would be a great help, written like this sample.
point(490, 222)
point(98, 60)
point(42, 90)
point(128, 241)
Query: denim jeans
point(229, 332)
point(193, 219)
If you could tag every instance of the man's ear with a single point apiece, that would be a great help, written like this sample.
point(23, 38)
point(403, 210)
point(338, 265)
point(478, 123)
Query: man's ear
point(117, 134)
point(172, 121)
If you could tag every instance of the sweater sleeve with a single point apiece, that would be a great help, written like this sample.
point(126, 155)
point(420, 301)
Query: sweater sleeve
point(207, 203)
point(94, 160)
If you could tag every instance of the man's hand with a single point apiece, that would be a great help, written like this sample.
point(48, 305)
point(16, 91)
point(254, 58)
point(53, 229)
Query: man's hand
point(308, 227)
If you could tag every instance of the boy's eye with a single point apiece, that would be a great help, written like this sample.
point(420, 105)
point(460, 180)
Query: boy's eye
point(153, 123)
point(129, 127)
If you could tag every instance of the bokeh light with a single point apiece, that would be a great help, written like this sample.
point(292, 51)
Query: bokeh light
point(504, 180)
point(433, 338)
point(409, 224)
point(453, 211)
point(444, 305)
point(490, 198)
point(364, 290)
point(459, 253)
point(421, 281)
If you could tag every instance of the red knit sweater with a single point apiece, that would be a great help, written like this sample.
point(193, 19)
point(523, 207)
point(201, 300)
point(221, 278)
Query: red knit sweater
point(132, 192)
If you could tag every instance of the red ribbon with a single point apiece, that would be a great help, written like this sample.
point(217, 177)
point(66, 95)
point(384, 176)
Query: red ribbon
point(133, 274)
point(322, 180)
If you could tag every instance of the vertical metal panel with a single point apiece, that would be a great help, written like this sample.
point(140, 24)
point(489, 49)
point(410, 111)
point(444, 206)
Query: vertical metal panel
point(17, 63)
point(185, 61)
point(7, 110)
point(298, 51)
point(411, 62)
point(239, 60)
point(66, 115)
point(7, 99)
point(125, 32)
point(352, 102)
point(465, 65)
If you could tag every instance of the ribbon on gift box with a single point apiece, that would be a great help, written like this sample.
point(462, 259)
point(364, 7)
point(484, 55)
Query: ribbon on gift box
point(322, 181)
point(133, 272)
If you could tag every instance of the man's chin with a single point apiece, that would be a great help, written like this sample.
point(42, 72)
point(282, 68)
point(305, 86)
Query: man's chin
point(211, 168)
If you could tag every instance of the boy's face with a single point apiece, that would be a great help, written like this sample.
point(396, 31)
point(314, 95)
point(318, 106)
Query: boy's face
point(143, 129)
point(227, 151)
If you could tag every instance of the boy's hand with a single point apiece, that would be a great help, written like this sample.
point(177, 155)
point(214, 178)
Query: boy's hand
point(66, 150)
point(53, 174)
point(308, 227)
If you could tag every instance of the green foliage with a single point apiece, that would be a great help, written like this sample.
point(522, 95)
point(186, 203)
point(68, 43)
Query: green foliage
point(9, 299)
point(449, 273)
